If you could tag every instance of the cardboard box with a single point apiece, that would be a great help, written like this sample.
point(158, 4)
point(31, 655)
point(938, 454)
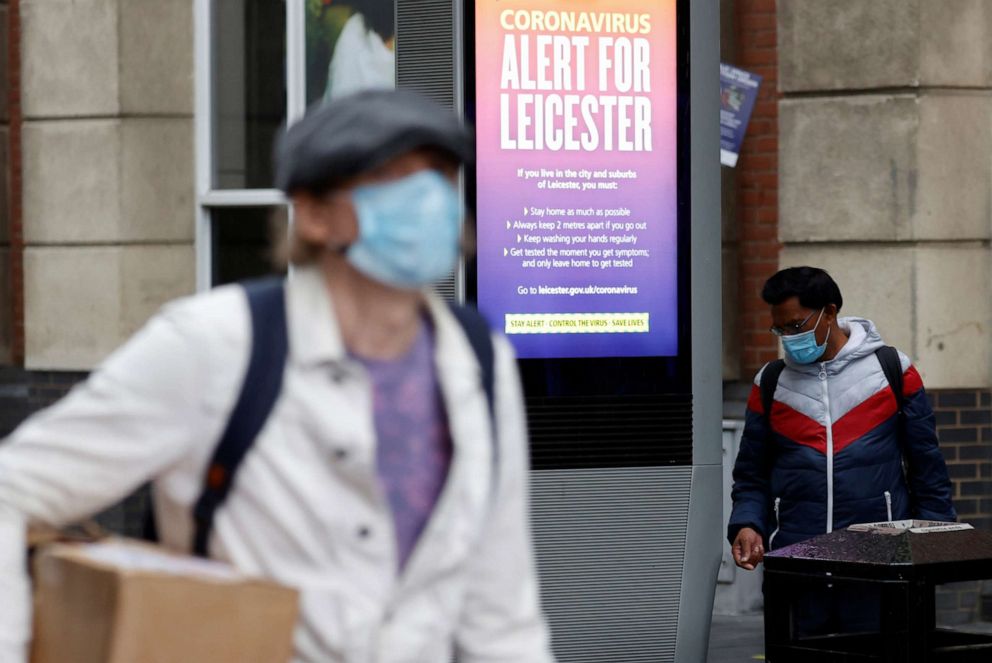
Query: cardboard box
point(127, 602)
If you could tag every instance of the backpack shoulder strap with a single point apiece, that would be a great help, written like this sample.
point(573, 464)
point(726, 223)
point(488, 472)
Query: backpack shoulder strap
point(768, 384)
point(888, 357)
point(480, 338)
point(259, 391)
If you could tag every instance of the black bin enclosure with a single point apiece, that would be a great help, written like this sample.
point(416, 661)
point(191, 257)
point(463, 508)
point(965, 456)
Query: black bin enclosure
point(871, 592)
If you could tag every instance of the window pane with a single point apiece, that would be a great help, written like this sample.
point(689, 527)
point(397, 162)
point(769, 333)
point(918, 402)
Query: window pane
point(249, 90)
point(246, 242)
point(350, 46)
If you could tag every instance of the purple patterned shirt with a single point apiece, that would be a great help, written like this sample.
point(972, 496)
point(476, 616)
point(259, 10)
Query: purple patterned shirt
point(414, 449)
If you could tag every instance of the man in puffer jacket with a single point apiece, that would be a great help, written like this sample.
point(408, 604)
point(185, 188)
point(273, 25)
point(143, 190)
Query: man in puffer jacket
point(834, 456)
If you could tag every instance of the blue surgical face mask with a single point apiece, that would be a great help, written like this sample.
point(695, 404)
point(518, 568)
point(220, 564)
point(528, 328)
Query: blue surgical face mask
point(802, 348)
point(408, 230)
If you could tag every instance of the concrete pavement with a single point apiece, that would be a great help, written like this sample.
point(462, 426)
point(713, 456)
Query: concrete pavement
point(737, 639)
point(741, 639)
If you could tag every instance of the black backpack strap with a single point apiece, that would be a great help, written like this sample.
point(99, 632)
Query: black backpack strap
point(767, 385)
point(259, 391)
point(480, 338)
point(888, 357)
point(149, 526)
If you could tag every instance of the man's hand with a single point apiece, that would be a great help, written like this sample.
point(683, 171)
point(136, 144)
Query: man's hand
point(748, 550)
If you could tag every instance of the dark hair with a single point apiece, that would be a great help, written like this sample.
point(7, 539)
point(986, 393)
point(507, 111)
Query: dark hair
point(812, 285)
point(379, 15)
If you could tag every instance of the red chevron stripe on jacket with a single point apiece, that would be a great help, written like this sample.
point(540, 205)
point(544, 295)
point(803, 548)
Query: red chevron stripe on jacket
point(835, 454)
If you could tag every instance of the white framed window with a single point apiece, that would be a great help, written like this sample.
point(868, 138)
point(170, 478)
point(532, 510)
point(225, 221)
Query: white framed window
point(259, 64)
point(243, 95)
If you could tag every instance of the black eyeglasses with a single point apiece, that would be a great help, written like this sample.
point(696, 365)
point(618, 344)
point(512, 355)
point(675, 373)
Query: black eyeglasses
point(794, 328)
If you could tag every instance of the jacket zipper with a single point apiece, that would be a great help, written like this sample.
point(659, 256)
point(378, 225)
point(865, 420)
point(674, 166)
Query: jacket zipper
point(888, 504)
point(830, 451)
point(778, 525)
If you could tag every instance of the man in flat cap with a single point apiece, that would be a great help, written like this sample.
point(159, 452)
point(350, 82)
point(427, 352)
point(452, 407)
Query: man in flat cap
point(344, 432)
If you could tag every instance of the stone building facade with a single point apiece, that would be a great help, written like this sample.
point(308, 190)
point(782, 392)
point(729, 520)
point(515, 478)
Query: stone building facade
point(868, 153)
point(100, 171)
point(97, 206)
point(871, 155)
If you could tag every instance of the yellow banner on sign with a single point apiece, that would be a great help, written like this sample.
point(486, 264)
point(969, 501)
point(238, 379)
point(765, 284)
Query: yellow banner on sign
point(577, 323)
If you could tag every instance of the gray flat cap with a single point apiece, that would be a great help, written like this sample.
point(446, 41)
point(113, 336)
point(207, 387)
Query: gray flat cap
point(352, 134)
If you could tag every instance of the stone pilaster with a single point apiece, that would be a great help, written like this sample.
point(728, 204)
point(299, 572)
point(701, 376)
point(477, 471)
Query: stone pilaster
point(885, 175)
point(886, 181)
point(108, 194)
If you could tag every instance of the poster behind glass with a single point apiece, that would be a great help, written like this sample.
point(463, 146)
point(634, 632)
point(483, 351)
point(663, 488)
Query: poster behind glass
point(350, 46)
point(577, 200)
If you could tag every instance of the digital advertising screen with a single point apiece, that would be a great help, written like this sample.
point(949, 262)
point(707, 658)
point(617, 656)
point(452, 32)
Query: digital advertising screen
point(577, 176)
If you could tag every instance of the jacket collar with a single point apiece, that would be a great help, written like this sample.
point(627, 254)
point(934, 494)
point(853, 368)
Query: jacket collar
point(863, 339)
point(315, 335)
point(856, 338)
point(448, 334)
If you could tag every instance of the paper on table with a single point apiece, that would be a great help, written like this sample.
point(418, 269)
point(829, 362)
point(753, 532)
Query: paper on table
point(914, 526)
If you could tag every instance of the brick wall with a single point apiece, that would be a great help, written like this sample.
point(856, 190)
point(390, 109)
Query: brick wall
point(964, 416)
point(757, 181)
point(11, 326)
point(964, 426)
point(14, 297)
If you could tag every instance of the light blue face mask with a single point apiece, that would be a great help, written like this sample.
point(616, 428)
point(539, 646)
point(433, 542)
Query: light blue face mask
point(802, 348)
point(407, 230)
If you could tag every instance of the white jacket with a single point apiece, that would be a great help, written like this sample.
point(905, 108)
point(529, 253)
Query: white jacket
point(306, 508)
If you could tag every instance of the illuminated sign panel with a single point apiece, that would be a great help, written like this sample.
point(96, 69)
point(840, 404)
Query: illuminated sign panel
point(577, 173)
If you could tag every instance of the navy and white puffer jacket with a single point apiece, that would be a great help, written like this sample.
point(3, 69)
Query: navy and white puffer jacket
point(835, 458)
